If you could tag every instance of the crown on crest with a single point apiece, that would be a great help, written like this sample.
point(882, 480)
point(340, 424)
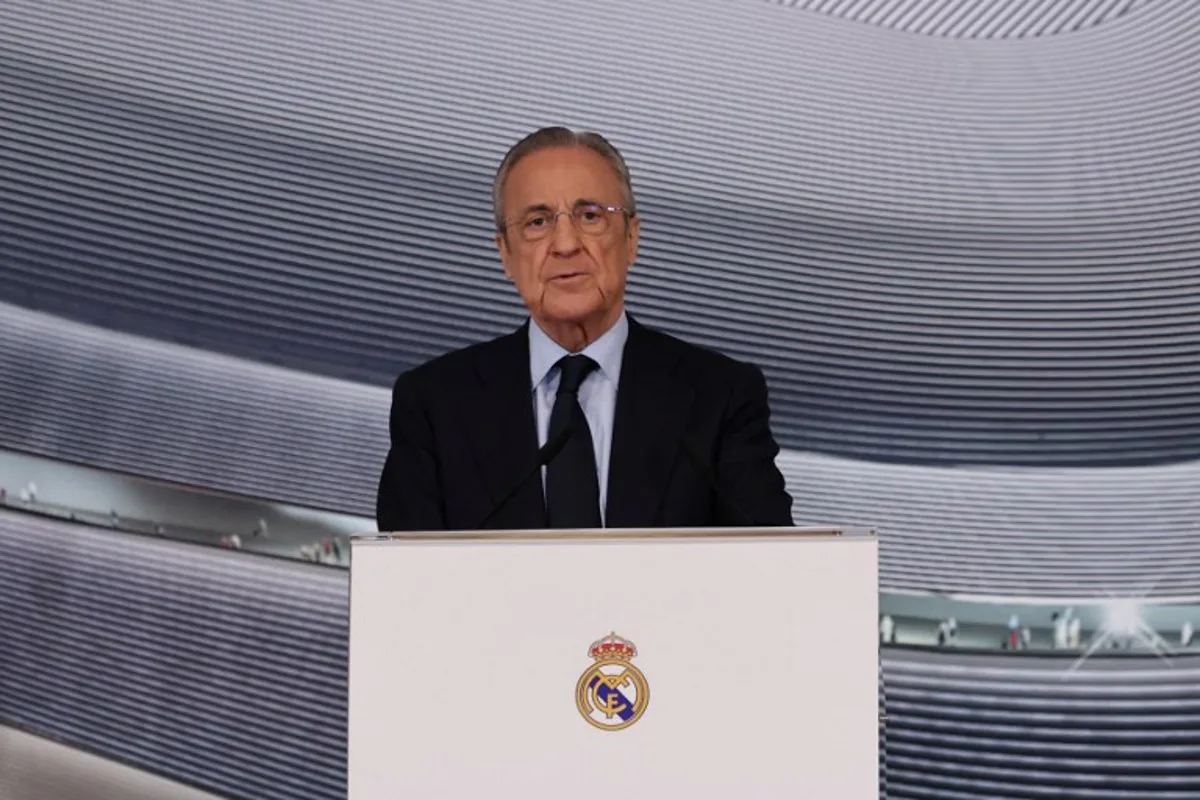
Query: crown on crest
point(612, 646)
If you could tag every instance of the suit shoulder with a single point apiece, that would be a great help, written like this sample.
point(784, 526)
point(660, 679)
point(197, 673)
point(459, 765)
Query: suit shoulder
point(705, 361)
point(457, 365)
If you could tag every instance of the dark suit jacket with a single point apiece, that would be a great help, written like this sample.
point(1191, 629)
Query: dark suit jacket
point(463, 435)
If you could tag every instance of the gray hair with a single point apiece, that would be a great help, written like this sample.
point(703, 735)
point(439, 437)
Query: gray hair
point(558, 136)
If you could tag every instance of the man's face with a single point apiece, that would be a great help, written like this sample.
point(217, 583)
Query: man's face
point(570, 275)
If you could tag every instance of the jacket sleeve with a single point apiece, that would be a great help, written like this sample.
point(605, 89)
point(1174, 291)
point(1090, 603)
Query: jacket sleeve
point(409, 496)
point(746, 454)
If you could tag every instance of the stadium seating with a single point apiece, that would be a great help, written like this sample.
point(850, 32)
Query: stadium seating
point(964, 727)
point(92, 396)
point(941, 250)
point(998, 19)
point(227, 671)
point(1033, 532)
point(166, 411)
point(214, 668)
point(968, 269)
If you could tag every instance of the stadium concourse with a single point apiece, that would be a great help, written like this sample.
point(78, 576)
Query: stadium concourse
point(170, 651)
point(960, 240)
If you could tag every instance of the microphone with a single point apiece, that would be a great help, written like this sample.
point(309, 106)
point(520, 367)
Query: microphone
point(545, 454)
point(700, 463)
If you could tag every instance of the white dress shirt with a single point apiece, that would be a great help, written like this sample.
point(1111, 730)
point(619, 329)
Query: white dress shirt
point(597, 394)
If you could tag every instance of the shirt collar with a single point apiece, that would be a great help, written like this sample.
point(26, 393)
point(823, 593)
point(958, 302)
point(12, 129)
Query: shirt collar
point(607, 351)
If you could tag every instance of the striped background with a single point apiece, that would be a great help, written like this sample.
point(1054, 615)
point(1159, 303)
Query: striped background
point(995, 19)
point(246, 696)
point(203, 419)
point(955, 234)
point(944, 250)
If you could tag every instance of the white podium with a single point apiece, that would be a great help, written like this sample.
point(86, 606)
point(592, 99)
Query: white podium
point(680, 664)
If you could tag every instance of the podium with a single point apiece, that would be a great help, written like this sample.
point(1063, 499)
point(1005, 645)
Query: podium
point(713, 663)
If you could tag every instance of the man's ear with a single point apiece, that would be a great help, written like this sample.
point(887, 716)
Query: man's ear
point(633, 236)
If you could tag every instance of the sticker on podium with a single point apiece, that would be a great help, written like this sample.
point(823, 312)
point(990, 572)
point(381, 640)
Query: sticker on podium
point(612, 693)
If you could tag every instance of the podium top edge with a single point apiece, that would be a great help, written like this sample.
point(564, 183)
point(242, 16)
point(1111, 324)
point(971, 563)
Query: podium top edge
point(603, 534)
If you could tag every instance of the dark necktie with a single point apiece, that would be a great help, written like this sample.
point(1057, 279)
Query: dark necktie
point(572, 488)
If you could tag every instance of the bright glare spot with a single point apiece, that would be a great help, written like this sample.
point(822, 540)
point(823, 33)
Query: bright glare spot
point(1123, 617)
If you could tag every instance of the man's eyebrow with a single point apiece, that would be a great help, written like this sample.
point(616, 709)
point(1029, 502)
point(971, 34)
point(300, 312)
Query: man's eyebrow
point(583, 201)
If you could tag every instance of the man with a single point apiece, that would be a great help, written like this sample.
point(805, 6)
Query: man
point(631, 427)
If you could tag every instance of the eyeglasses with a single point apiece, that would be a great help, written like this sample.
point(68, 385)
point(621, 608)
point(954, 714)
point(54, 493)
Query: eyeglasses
point(590, 219)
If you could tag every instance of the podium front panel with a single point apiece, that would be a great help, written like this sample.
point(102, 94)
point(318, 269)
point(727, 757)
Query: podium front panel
point(601, 666)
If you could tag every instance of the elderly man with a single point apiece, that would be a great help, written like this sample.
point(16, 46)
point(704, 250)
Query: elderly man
point(582, 417)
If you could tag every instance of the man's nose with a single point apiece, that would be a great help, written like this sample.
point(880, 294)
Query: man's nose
point(566, 238)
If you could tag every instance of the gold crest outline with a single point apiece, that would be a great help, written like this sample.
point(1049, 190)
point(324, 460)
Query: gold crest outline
point(583, 693)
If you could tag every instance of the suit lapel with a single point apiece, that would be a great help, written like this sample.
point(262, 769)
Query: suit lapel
point(652, 410)
point(503, 433)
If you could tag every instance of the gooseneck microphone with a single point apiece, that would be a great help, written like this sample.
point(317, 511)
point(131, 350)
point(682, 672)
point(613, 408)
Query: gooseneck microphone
point(545, 454)
point(700, 463)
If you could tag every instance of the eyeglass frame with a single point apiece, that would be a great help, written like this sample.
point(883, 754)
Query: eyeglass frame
point(554, 215)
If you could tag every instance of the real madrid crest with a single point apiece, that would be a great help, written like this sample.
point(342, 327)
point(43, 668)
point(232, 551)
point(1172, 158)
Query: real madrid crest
point(612, 693)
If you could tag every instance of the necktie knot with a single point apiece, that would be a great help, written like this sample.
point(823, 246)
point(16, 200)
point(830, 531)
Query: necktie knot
point(572, 372)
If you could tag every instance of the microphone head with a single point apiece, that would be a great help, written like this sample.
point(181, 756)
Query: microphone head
point(545, 454)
